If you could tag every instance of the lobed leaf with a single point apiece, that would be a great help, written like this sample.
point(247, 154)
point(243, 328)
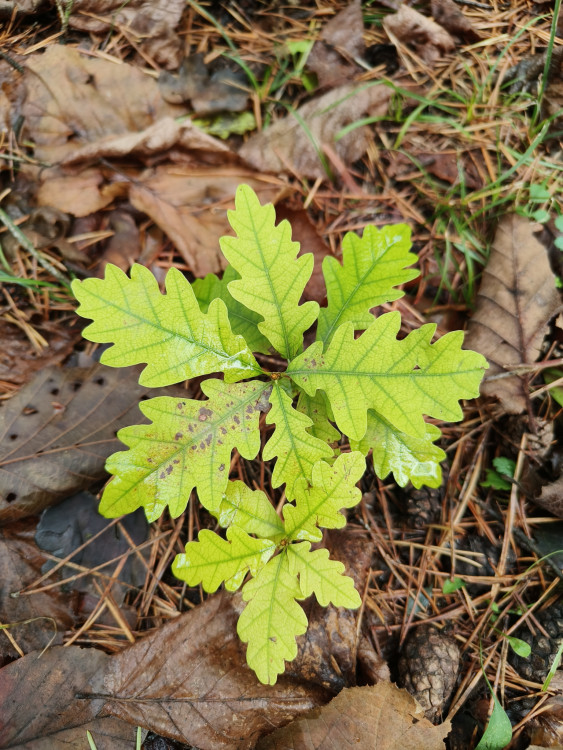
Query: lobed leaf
point(400, 380)
point(212, 560)
point(321, 576)
point(318, 410)
point(409, 457)
point(167, 331)
point(272, 619)
point(250, 510)
point(372, 266)
point(187, 446)
point(272, 278)
point(333, 488)
point(297, 450)
point(244, 322)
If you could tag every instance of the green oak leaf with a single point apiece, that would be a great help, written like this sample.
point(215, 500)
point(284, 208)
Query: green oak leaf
point(244, 322)
point(272, 278)
point(272, 619)
point(332, 488)
point(321, 576)
point(409, 457)
point(297, 450)
point(250, 510)
point(187, 446)
point(212, 560)
point(372, 266)
point(318, 410)
point(167, 331)
point(400, 379)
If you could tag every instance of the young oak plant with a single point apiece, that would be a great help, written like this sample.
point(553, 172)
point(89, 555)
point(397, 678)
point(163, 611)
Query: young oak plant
point(373, 388)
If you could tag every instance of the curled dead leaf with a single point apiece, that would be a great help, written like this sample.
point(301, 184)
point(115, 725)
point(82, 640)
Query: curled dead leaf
point(429, 40)
point(340, 43)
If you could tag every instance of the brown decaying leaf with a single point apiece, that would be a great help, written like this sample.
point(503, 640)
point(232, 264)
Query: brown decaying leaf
point(151, 23)
point(290, 146)
point(190, 681)
point(448, 15)
point(551, 498)
point(57, 432)
point(516, 300)
point(546, 728)
point(124, 248)
point(191, 207)
point(73, 100)
point(380, 717)
point(19, 359)
point(327, 651)
point(38, 697)
point(48, 612)
point(340, 42)
point(429, 40)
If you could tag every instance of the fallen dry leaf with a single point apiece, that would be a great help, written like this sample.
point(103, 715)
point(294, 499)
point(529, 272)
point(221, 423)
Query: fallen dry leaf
point(327, 651)
point(551, 497)
point(57, 432)
point(289, 146)
point(124, 248)
point(341, 41)
point(191, 207)
point(380, 717)
point(73, 100)
point(189, 680)
point(151, 24)
point(425, 37)
point(38, 698)
point(546, 728)
point(157, 138)
point(42, 617)
point(19, 359)
point(448, 15)
point(516, 300)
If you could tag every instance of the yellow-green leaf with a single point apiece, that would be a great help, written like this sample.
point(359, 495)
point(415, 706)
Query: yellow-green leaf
point(409, 457)
point(212, 560)
point(272, 277)
point(297, 450)
point(187, 446)
point(272, 619)
point(318, 410)
point(250, 510)
point(167, 331)
point(321, 576)
point(400, 379)
point(333, 488)
point(372, 267)
point(244, 322)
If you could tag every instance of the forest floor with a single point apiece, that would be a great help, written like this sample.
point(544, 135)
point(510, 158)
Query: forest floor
point(444, 115)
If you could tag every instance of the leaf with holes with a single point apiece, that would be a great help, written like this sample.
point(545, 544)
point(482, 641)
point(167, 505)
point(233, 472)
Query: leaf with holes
point(272, 278)
point(167, 331)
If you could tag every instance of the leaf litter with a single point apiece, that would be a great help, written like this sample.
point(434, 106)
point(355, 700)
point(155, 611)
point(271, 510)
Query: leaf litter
point(452, 189)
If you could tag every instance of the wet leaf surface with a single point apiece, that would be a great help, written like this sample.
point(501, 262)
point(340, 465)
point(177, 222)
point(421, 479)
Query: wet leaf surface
point(56, 434)
point(48, 612)
point(381, 717)
point(199, 688)
point(516, 300)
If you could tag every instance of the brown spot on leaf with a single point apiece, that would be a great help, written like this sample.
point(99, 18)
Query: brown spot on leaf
point(169, 469)
point(222, 467)
point(204, 414)
point(178, 436)
point(208, 439)
point(236, 419)
point(202, 445)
